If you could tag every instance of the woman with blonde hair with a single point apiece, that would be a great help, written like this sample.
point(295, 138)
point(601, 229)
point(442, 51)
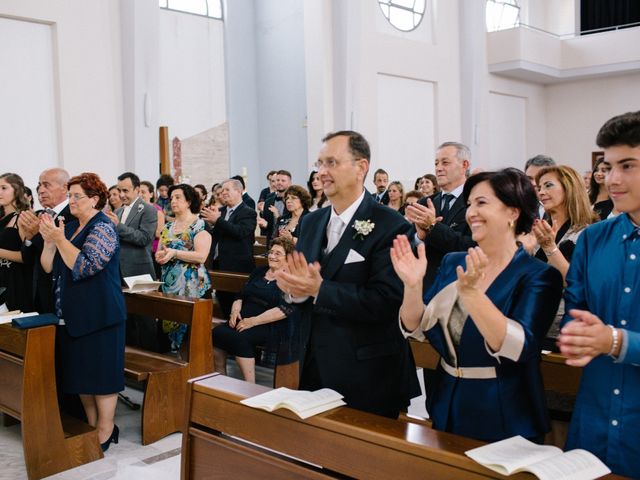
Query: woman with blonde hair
point(396, 195)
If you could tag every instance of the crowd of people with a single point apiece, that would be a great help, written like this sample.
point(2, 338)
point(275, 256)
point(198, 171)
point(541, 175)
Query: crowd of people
point(490, 267)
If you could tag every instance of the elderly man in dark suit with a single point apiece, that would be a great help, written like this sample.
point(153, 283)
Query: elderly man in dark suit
point(233, 231)
point(440, 219)
point(349, 293)
point(52, 195)
point(136, 223)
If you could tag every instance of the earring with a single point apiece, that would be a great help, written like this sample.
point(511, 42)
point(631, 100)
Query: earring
point(512, 224)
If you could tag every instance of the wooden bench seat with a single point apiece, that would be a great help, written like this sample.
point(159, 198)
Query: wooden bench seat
point(225, 439)
point(164, 377)
point(51, 442)
point(285, 375)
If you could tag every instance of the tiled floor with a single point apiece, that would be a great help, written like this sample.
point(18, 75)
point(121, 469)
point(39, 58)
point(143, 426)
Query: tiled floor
point(129, 459)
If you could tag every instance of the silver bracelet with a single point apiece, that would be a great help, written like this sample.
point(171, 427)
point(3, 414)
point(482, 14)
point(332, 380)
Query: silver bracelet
point(552, 252)
point(616, 341)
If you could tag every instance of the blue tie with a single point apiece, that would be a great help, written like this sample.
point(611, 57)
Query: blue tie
point(446, 203)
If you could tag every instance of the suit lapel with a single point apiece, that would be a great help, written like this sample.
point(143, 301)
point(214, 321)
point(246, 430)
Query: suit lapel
point(454, 210)
point(332, 262)
point(135, 210)
point(317, 232)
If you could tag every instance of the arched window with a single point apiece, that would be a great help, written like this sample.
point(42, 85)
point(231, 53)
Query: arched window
point(502, 15)
point(405, 15)
point(207, 8)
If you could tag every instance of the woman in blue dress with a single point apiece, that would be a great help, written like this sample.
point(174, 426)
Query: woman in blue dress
point(486, 313)
point(85, 259)
point(183, 249)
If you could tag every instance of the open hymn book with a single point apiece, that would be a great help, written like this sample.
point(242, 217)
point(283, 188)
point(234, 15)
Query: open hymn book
point(303, 403)
point(141, 283)
point(517, 454)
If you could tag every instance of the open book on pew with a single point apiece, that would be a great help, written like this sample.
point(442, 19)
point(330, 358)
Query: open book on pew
point(141, 283)
point(303, 403)
point(517, 454)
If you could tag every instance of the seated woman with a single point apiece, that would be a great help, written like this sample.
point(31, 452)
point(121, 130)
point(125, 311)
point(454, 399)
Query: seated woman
point(84, 256)
point(486, 320)
point(561, 192)
point(296, 203)
point(184, 247)
point(255, 318)
point(598, 194)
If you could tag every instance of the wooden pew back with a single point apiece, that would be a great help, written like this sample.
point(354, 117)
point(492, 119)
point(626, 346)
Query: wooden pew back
point(28, 393)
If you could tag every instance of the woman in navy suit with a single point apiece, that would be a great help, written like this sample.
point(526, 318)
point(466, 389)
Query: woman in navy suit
point(85, 257)
point(486, 314)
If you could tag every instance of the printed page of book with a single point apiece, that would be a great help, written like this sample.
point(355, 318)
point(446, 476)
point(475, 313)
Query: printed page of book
point(141, 283)
point(573, 465)
point(303, 403)
point(269, 400)
point(302, 400)
point(510, 455)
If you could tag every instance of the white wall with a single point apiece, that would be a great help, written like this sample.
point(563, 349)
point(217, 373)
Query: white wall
point(87, 77)
point(577, 110)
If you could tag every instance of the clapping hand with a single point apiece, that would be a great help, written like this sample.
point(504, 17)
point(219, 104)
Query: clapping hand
point(164, 254)
point(48, 229)
point(28, 225)
point(545, 235)
point(113, 217)
point(410, 269)
point(276, 213)
point(477, 262)
point(210, 214)
point(422, 216)
point(584, 338)
point(299, 278)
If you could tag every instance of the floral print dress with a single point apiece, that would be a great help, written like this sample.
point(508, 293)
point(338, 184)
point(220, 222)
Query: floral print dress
point(182, 278)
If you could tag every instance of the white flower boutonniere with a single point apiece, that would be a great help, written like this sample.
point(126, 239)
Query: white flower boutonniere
point(363, 228)
point(140, 207)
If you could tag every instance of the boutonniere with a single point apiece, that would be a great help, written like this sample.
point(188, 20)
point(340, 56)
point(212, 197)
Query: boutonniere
point(363, 228)
point(140, 207)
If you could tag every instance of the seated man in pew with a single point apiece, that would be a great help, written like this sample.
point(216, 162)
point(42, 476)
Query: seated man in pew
point(258, 318)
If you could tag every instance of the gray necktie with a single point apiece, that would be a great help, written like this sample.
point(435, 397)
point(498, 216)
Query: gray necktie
point(446, 203)
point(334, 232)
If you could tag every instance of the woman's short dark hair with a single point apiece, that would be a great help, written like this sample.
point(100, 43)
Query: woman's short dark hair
point(190, 195)
point(300, 193)
point(514, 189)
point(164, 181)
point(92, 186)
point(149, 186)
point(286, 244)
point(434, 181)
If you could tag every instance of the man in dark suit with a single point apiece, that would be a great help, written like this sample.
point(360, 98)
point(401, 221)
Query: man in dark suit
point(440, 219)
point(136, 223)
point(381, 181)
point(349, 293)
point(274, 203)
point(52, 195)
point(233, 231)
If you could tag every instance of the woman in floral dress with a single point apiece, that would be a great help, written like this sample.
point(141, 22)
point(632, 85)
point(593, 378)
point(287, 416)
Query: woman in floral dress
point(184, 247)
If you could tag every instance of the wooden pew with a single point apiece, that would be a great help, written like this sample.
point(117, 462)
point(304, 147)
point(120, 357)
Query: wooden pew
point(164, 377)
point(284, 375)
point(51, 443)
point(225, 439)
point(556, 375)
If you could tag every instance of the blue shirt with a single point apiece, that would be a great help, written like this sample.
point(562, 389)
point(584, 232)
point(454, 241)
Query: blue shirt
point(604, 278)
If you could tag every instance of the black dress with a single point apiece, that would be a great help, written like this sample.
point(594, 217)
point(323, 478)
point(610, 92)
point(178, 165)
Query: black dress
point(258, 296)
point(603, 208)
point(14, 276)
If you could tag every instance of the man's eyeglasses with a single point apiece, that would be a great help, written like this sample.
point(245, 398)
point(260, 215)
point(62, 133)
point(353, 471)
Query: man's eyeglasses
point(76, 197)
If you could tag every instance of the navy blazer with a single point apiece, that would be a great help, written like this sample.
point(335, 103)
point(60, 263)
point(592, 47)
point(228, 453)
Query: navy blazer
point(95, 302)
point(351, 330)
point(527, 291)
point(234, 238)
point(452, 234)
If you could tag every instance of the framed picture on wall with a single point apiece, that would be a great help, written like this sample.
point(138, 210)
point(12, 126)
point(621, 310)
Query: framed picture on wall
point(594, 158)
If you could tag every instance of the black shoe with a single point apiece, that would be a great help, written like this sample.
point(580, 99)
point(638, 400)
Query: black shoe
point(112, 438)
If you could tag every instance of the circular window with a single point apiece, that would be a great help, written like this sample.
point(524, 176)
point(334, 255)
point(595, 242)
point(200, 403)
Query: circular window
point(405, 15)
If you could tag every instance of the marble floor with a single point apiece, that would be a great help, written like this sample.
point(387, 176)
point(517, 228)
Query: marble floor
point(129, 459)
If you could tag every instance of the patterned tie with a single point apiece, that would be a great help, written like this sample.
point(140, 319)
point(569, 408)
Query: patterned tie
point(446, 203)
point(334, 232)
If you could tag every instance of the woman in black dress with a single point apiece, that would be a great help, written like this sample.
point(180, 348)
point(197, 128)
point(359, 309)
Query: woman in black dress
point(258, 318)
point(297, 202)
point(598, 194)
point(15, 276)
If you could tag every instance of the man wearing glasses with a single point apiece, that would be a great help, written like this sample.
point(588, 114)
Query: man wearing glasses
point(349, 294)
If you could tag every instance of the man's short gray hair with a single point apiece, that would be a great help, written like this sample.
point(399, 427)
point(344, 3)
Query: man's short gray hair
point(237, 184)
point(539, 161)
point(462, 151)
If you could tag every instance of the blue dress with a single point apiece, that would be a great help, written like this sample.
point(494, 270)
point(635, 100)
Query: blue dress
point(89, 300)
point(604, 278)
point(528, 292)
